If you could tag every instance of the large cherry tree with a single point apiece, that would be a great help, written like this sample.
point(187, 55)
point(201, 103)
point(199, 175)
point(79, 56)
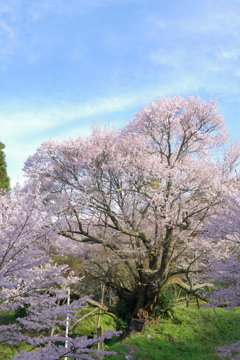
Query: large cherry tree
point(141, 195)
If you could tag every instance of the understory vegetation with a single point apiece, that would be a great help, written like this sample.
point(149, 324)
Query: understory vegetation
point(189, 333)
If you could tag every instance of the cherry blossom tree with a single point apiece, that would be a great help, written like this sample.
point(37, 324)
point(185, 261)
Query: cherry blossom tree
point(29, 279)
point(142, 194)
point(224, 228)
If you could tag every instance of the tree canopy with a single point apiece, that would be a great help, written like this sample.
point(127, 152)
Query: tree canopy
point(142, 194)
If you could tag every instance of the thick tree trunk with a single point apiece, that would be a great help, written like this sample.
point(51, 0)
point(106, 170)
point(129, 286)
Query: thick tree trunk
point(147, 299)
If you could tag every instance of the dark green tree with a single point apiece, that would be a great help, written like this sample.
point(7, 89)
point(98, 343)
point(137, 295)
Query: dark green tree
point(4, 179)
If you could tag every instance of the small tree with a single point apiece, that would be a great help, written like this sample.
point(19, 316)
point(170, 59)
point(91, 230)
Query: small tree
point(4, 179)
point(30, 280)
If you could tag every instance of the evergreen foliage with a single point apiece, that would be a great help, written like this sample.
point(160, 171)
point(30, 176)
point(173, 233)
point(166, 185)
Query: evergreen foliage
point(4, 179)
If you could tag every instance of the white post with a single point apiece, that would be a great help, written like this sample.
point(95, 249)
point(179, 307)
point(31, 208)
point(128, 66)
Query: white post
point(67, 321)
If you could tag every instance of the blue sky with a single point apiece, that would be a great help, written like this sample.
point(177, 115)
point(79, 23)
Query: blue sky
point(65, 64)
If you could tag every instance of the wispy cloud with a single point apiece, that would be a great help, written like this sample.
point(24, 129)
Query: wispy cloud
point(199, 44)
point(40, 120)
point(25, 129)
point(66, 64)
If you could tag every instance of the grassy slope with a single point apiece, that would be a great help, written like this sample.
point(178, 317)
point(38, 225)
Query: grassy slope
point(89, 324)
point(191, 335)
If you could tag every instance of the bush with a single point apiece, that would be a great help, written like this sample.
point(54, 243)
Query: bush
point(165, 305)
point(124, 308)
point(21, 311)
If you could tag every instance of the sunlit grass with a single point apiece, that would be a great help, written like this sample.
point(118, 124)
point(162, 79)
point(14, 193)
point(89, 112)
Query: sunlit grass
point(191, 334)
point(89, 324)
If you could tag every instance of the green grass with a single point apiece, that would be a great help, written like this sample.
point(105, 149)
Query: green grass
point(6, 351)
point(89, 324)
point(7, 318)
point(191, 334)
point(85, 327)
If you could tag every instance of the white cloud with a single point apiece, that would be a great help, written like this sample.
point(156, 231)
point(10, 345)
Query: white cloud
point(41, 120)
point(210, 22)
point(23, 131)
point(229, 54)
point(169, 57)
point(170, 52)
